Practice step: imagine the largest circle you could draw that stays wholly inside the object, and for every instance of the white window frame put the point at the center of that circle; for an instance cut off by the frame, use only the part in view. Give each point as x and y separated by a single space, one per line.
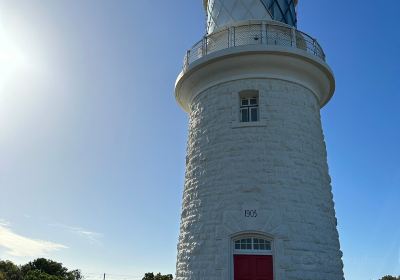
251 95
252 251
236 96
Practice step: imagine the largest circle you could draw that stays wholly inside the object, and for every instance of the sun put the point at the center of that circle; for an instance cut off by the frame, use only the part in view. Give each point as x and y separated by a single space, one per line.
12 58
20 68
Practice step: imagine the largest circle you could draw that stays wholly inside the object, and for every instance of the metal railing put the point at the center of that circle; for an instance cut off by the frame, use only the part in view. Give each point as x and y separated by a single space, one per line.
266 33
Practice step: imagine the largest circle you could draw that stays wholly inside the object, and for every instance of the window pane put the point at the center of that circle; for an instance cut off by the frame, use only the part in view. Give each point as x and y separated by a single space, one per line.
244 115
253 244
245 102
253 101
254 114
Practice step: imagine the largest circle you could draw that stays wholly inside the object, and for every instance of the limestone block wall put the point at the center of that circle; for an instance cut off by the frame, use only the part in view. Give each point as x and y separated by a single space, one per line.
277 166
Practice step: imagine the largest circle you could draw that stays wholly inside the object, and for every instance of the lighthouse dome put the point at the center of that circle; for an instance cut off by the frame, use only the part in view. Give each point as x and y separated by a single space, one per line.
223 13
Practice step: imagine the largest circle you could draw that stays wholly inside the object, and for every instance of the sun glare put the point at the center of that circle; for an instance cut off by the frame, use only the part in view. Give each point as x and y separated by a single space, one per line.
12 58
20 66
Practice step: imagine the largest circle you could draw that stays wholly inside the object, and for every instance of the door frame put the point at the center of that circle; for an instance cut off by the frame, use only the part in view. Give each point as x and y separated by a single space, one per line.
245 234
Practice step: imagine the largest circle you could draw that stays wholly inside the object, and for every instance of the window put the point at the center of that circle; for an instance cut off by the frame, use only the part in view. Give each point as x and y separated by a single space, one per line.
253 244
249 107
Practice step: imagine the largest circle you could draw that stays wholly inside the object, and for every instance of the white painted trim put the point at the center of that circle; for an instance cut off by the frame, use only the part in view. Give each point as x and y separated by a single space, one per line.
260 123
236 123
253 62
249 234
253 252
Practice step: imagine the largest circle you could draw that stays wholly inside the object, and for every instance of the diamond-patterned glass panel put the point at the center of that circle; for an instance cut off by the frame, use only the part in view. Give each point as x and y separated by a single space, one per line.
282 10
222 13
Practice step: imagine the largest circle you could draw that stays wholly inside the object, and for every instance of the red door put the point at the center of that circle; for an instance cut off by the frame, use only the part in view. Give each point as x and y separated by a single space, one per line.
250 267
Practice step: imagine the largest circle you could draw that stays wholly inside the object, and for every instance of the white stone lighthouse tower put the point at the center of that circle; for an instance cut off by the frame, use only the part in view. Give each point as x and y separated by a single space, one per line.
257 201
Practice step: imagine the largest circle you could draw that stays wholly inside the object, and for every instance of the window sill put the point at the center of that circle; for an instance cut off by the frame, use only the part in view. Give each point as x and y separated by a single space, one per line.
249 124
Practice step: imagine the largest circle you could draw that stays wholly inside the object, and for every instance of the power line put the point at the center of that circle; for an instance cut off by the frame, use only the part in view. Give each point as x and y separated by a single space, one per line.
107 276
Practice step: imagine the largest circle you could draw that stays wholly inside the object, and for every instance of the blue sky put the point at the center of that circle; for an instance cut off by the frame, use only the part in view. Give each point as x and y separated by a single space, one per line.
92 143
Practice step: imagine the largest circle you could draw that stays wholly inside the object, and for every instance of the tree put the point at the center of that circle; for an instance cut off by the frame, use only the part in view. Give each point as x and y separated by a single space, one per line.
148 276
39 269
9 271
389 277
44 269
163 277
46 266
75 275
159 276
36 274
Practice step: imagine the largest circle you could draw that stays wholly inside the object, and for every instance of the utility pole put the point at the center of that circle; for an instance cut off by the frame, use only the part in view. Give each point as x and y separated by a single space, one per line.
104 276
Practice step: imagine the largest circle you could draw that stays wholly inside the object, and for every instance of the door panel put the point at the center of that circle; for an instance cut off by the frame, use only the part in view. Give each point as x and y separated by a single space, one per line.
251 267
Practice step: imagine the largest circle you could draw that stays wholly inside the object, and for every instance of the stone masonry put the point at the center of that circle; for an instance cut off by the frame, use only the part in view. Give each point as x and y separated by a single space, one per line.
277 166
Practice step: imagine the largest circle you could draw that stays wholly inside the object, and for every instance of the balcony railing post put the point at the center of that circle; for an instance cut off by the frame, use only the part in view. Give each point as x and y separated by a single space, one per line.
234 35
229 37
204 46
294 39
187 60
264 32
314 43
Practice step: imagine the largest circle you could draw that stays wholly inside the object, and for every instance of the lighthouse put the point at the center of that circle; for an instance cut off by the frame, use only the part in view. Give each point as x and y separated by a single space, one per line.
257 201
